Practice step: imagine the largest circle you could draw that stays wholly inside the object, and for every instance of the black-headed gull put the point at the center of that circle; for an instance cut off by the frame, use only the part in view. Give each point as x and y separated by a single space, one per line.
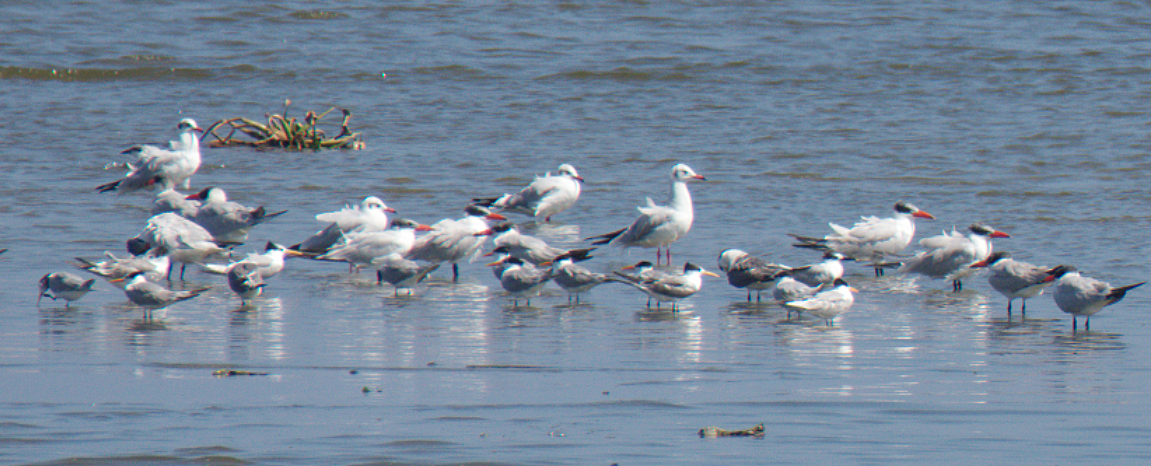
1084 296
659 226
168 166
871 238
546 196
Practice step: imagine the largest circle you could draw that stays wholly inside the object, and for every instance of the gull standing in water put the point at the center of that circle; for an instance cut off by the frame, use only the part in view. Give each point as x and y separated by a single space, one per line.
746 271
871 238
1018 279
184 240
244 279
951 255
829 303
1084 296
226 220
168 166
544 197
151 296
659 226
64 285
370 215
674 287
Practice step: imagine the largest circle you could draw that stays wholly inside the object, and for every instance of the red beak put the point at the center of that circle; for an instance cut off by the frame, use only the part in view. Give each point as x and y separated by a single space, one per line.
485 232
999 234
422 227
389 210
922 214
495 216
982 263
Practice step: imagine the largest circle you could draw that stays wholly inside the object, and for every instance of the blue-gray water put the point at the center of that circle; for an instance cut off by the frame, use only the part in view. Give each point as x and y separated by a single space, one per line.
1030 116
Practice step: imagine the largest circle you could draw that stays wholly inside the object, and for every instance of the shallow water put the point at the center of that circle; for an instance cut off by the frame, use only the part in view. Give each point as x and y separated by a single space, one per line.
1030 117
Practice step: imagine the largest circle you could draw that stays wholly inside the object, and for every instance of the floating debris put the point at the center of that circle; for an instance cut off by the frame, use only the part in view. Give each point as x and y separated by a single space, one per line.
233 373
715 432
283 132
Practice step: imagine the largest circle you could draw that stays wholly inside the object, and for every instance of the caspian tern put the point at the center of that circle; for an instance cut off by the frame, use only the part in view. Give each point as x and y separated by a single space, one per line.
544 197
522 279
168 166
170 200
151 296
371 248
370 215
64 285
527 247
244 279
950 255
871 238
1084 296
403 273
576 279
828 303
226 220
674 287
747 271
1017 279
184 240
455 240
659 226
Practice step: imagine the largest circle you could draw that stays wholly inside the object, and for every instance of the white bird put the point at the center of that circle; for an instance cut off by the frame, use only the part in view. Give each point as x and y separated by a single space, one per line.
576 279
244 279
113 267
871 238
659 226
226 220
268 264
170 200
544 197
184 240
64 285
370 215
825 272
529 248
950 255
828 303
1017 279
371 248
747 271
522 279
1084 296
151 296
403 273
455 240
168 166
674 287
788 289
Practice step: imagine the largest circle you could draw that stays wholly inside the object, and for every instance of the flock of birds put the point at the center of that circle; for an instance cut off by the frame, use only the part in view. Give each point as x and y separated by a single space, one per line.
201 229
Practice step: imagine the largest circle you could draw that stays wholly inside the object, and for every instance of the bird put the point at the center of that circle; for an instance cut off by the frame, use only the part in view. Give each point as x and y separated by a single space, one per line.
747 271
184 240
245 280
576 279
63 285
527 247
268 264
871 239
950 255
642 271
674 287
829 303
788 289
1017 279
403 273
151 296
522 279
659 226
171 200
370 248
544 197
455 240
370 215
824 272
113 267
168 166
1084 296
227 220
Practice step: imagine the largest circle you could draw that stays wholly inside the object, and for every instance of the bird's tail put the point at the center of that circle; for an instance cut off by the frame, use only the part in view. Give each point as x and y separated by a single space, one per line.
578 255
262 215
186 295
606 237
808 242
108 187
1116 294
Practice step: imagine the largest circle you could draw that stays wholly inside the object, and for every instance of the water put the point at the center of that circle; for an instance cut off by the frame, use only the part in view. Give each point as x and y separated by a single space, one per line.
1028 116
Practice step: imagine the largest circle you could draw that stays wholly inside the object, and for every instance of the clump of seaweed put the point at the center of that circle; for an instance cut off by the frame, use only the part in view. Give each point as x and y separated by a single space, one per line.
284 132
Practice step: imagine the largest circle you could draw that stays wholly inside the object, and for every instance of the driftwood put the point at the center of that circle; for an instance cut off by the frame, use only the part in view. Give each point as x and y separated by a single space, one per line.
283 132
714 432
